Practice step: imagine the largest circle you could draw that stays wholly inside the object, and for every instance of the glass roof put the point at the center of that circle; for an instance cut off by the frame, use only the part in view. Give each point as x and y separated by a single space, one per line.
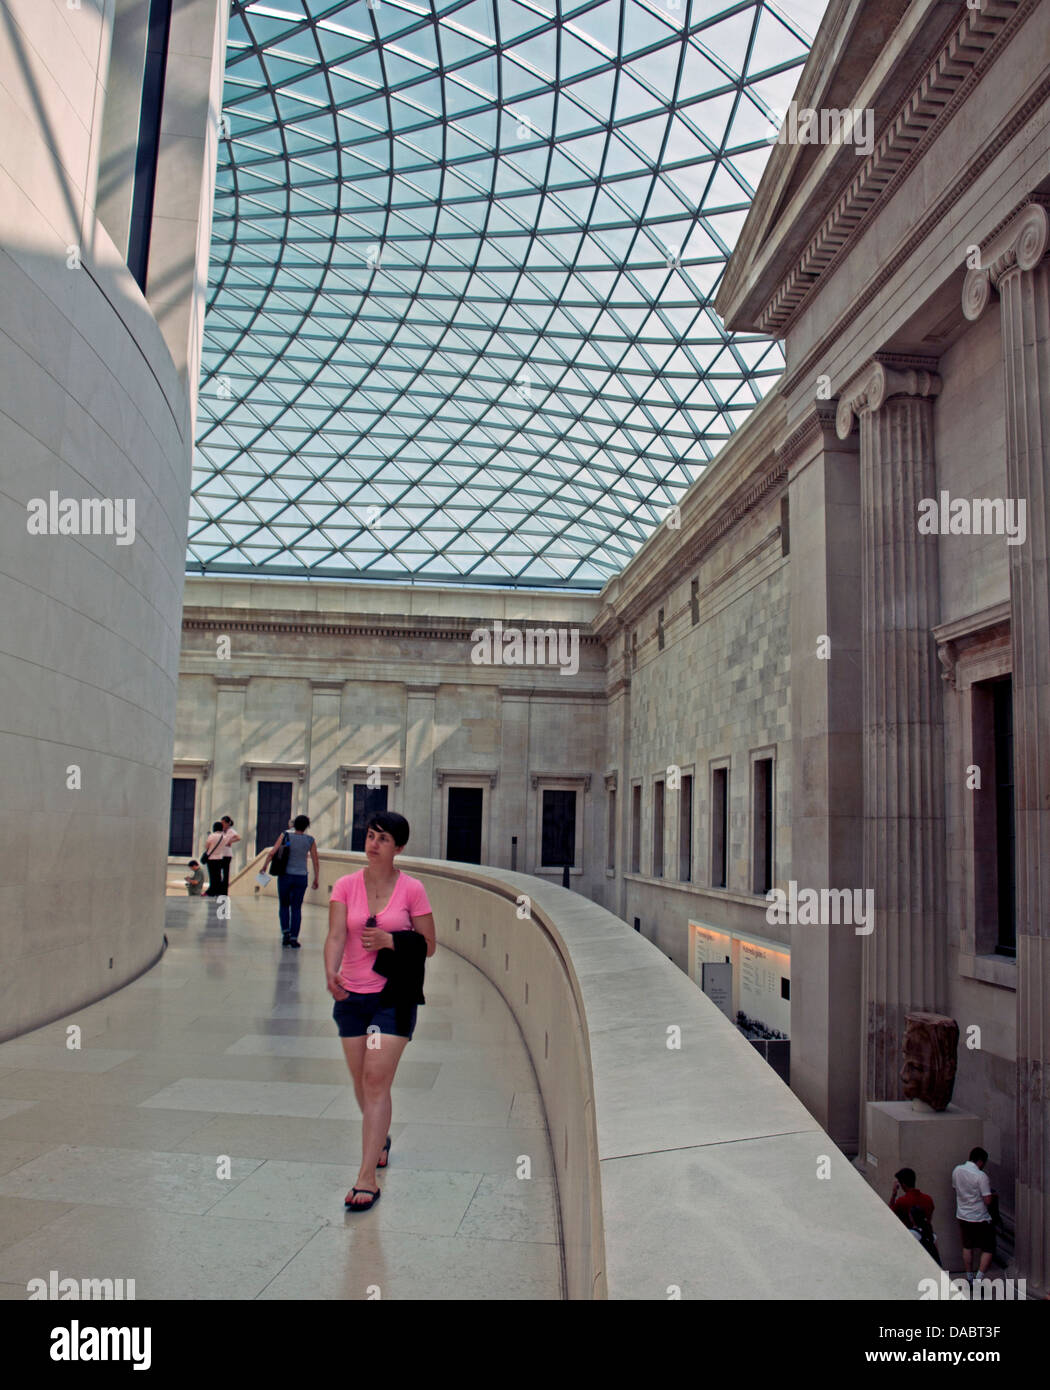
460 323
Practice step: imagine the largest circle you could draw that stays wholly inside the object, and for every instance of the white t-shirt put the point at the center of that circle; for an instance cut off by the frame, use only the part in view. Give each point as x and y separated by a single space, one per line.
971 1187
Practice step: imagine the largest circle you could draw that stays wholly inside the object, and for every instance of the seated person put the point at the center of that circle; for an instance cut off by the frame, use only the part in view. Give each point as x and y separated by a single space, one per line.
194 880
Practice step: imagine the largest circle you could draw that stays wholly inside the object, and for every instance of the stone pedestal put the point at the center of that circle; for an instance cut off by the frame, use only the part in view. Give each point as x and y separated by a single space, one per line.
933 1144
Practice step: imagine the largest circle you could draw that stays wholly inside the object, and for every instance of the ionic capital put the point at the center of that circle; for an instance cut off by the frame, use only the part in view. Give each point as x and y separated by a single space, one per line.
1019 243
870 390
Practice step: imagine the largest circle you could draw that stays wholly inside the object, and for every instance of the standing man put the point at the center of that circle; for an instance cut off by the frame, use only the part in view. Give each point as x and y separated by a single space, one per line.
973 1197
229 839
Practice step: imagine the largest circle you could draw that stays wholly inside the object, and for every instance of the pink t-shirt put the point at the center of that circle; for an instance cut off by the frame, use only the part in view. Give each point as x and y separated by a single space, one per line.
408 900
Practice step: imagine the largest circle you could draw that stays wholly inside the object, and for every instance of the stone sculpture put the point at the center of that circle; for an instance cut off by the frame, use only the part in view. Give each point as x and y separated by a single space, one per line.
931 1044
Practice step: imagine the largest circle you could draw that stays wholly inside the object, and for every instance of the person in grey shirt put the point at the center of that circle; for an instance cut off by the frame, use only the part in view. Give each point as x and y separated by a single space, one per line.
291 885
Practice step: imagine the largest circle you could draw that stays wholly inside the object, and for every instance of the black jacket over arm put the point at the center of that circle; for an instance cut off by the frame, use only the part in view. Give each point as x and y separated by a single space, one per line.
404 965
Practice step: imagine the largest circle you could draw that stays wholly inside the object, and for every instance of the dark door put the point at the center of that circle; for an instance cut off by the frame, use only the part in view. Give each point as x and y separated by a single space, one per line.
275 811
558 846
368 801
180 829
464 824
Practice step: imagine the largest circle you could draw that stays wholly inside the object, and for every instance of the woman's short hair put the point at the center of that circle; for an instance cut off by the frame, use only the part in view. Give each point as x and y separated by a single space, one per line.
218 826
300 823
395 826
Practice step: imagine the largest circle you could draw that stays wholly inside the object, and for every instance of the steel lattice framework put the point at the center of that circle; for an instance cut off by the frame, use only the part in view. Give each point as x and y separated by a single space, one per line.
464 252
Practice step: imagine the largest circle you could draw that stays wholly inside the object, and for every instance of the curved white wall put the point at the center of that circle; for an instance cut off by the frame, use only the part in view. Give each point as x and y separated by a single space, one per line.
94 403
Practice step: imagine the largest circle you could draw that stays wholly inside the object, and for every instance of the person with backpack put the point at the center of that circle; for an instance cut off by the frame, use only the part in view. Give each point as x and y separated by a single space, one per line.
210 856
915 1209
287 862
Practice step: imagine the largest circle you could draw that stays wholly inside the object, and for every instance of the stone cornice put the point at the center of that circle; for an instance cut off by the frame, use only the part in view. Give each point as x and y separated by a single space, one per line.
348 772
200 767
978 631
938 217
298 770
819 420
444 629
749 495
1018 243
972 46
474 774
535 778
871 388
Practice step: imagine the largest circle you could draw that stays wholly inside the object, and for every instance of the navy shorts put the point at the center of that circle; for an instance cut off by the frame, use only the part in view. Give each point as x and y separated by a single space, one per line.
355 1014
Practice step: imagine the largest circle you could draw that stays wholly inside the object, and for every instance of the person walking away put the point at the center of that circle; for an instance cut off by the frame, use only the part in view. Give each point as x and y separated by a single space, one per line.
973 1197
229 839
194 880
292 883
212 846
906 1195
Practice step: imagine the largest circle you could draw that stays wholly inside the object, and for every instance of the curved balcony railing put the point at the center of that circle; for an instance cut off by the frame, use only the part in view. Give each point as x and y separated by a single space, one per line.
685 1167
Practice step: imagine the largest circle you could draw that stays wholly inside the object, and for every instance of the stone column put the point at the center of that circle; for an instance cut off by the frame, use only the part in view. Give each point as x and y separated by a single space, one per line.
230 794
420 794
826 762
1015 264
513 779
322 756
905 956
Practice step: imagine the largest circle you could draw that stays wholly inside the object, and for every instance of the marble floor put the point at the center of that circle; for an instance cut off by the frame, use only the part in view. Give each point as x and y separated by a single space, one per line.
201 1139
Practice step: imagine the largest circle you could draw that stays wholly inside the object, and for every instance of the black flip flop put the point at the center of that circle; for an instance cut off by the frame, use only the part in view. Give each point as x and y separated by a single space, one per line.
360 1206
381 1161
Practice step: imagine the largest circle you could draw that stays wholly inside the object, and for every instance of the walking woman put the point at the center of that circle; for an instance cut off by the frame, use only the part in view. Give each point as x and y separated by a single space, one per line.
291 885
211 850
366 910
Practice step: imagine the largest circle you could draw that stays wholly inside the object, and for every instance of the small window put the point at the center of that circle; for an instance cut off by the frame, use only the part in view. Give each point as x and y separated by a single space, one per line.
694 601
611 854
660 631
636 829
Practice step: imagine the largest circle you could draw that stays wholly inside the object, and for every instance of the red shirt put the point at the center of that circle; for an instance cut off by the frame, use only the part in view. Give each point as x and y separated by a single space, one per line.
912 1198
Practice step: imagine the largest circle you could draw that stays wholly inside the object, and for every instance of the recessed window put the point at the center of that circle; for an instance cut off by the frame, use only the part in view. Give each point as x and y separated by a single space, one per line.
762 825
685 829
995 886
636 829
610 859
719 826
658 830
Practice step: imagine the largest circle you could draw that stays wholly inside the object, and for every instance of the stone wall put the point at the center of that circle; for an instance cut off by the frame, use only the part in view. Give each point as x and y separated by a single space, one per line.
96 401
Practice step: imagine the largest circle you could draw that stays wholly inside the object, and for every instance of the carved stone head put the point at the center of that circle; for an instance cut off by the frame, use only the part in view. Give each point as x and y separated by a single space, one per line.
931 1043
